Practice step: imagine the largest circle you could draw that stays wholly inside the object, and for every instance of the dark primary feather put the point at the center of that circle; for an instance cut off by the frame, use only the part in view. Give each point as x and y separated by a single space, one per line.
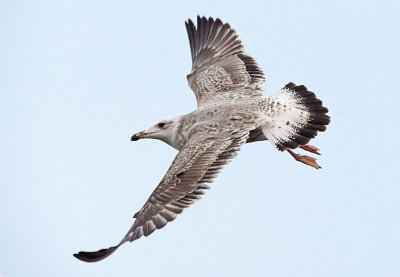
97 255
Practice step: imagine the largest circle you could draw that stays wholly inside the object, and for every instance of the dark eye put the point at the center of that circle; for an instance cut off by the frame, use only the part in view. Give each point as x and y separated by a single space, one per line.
161 124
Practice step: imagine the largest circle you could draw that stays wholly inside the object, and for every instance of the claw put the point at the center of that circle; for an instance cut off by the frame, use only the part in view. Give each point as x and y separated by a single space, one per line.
305 159
310 148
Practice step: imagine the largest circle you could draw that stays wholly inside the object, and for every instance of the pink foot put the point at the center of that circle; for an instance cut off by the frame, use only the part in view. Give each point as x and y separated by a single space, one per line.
310 148
305 159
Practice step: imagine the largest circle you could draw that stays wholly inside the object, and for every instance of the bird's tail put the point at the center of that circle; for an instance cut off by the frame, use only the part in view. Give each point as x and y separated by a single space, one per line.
295 117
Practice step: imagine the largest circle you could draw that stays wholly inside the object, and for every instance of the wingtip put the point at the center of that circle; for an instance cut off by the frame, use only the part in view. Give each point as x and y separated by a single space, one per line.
189 22
96 255
200 19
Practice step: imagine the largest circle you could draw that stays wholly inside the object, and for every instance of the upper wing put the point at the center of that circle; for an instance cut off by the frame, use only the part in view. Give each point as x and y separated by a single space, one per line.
197 163
219 62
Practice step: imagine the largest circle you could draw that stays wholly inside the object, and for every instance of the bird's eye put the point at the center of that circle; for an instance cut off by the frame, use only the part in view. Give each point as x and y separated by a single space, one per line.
161 124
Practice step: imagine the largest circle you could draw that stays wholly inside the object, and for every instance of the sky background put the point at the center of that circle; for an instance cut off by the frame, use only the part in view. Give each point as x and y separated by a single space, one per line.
78 78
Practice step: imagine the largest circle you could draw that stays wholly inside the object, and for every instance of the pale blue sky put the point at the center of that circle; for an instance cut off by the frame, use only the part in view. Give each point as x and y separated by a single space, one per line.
78 78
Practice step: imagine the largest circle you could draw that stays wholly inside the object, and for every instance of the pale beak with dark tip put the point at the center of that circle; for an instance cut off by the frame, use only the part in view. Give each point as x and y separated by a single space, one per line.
141 135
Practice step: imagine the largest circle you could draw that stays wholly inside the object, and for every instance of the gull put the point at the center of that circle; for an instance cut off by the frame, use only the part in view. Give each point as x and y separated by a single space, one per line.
232 109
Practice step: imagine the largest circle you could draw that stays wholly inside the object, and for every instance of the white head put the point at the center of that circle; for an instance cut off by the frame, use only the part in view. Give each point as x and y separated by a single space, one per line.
164 130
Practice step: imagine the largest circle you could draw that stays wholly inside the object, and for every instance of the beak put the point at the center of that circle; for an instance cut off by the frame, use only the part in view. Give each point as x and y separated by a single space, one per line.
141 135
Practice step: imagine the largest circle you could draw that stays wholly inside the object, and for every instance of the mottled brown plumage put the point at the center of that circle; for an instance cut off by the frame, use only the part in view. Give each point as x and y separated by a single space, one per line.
232 109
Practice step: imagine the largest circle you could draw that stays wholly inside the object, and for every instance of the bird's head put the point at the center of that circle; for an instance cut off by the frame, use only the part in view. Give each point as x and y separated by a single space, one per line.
164 130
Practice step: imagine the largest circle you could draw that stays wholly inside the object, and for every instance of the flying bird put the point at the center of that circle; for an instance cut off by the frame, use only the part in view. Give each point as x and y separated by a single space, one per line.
232 109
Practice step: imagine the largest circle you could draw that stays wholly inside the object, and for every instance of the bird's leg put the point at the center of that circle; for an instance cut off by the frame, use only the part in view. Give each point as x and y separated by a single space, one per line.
305 159
310 148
